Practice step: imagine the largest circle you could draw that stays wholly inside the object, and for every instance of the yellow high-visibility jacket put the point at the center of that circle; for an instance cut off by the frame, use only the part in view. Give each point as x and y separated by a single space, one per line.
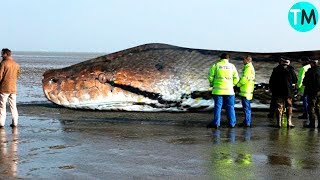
222 77
301 75
246 82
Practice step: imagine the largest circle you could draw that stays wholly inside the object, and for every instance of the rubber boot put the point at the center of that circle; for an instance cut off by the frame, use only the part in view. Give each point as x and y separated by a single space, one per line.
289 122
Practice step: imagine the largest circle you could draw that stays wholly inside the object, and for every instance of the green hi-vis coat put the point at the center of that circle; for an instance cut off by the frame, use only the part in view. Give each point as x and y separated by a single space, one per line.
222 77
301 75
246 82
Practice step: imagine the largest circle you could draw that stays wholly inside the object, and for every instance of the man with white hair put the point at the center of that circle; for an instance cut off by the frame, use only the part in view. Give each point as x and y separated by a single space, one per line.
282 83
246 85
311 82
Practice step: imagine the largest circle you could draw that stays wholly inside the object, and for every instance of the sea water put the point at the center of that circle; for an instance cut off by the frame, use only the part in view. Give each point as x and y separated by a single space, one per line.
34 64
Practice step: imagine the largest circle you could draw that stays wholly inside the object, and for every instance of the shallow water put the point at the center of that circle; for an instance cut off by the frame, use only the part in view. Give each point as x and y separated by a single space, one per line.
54 142
34 64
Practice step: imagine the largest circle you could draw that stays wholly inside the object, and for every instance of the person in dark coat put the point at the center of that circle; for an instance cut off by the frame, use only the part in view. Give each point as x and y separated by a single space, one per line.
311 82
273 104
282 85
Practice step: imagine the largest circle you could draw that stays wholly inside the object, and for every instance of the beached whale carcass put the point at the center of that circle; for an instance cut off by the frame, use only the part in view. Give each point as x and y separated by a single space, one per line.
151 77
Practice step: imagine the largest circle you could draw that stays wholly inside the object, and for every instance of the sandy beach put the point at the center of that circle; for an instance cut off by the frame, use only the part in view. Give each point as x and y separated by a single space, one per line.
55 142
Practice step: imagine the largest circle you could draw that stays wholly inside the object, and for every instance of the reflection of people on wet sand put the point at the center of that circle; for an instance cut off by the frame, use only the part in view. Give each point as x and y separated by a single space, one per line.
9 72
282 138
230 135
230 159
247 134
8 157
310 160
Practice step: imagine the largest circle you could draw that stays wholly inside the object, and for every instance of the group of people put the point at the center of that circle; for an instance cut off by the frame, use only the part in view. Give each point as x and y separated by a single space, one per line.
283 83
9 73
223 77
311 91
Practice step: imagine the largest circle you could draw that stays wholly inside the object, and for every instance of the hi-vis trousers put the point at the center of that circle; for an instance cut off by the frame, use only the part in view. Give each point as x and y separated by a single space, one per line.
4 97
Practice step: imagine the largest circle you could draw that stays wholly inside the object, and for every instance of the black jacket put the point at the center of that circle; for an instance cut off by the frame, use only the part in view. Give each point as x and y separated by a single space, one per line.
282 81
311 81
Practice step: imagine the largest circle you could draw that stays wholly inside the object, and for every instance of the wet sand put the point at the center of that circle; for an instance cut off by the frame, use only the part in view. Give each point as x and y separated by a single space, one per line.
54 142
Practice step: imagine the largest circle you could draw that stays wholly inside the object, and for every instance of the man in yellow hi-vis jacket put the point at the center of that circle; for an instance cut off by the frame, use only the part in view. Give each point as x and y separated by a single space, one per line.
246 85
222 77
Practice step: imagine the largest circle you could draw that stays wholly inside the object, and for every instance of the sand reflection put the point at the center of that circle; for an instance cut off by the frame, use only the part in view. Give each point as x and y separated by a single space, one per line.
8 152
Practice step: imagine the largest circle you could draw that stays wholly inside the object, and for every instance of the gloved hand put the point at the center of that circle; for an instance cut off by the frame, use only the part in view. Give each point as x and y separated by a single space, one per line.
236 89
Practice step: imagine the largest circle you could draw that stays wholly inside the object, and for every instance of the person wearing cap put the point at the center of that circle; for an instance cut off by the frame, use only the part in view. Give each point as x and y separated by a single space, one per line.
282 82
246 85
311 82
305 66
223 76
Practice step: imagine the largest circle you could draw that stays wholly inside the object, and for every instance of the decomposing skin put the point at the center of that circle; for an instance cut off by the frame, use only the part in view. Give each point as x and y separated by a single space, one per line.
151 77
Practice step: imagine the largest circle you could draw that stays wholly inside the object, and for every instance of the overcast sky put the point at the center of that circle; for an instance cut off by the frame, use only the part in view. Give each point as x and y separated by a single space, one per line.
113 25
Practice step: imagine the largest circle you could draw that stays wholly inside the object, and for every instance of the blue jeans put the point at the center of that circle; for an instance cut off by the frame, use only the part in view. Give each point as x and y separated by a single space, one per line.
305 106
228 102
246 106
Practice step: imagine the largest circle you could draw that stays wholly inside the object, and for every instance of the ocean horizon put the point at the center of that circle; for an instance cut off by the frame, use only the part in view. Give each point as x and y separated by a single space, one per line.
34 64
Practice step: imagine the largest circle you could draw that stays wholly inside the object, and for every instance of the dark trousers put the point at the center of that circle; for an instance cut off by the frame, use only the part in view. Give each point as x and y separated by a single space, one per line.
313 109
305 106
273 106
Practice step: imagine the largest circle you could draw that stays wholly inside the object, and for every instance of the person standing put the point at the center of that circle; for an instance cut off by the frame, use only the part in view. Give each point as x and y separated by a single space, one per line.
305 66
282 83
223 76
246 85
273 104
311 82
9 73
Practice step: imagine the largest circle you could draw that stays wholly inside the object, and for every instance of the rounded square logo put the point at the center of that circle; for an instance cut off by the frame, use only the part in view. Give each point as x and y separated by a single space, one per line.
303 16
